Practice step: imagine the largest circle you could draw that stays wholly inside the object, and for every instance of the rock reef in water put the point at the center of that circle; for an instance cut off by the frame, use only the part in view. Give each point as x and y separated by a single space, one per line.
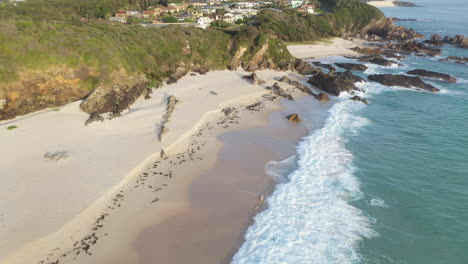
403 81
432 74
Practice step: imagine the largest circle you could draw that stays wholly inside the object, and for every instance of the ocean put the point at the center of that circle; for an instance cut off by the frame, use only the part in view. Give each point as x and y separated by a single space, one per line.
380 183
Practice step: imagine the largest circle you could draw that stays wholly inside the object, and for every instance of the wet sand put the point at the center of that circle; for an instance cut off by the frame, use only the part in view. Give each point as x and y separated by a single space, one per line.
224 199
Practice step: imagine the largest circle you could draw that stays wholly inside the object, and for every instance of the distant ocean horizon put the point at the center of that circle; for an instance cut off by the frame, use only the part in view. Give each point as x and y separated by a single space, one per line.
383 183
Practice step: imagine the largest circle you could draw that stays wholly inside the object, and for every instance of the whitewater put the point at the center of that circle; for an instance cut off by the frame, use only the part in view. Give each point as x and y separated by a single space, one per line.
309 218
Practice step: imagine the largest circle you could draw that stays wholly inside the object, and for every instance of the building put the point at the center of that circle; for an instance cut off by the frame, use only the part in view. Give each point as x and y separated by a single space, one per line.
118 19
150 14
196 13
121 14
196 3
183 17
204 22
296 3
307 9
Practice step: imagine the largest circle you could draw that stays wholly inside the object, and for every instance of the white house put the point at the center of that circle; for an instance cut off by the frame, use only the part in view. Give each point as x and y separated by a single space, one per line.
296 3
204 22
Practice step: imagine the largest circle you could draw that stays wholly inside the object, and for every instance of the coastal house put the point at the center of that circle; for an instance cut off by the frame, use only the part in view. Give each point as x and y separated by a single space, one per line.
132 13
150 14
296 3
196 13
307 9
196 3
246 5
121 14
235 16
204 22
228 19
183 17
118 19
170 9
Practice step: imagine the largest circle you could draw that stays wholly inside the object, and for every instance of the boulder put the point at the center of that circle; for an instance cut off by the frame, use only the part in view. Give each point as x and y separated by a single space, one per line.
377 60
294 118
305 68
325 66
413 46
352 66
368 51
435 39
279 91
458 40
322 97
460 60
403 81
179 73
431 74
93 118
115 98
357 98
335 83
253 78
297 84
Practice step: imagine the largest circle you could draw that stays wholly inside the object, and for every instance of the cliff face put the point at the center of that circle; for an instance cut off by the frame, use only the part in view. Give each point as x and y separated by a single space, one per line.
48 65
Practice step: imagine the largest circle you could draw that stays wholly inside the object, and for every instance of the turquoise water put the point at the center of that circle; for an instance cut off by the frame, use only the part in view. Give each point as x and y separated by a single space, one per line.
383 183
414 156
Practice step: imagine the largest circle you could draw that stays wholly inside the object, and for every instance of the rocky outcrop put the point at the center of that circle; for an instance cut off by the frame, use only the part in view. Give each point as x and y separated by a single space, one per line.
294 118
435 39
359 99
322 97
116 97
297 84
403 81
325 66
276 89
386 30
171 104
432 74
335 83
413 46
456 59
368 51
253 79
305 68
37 90
352 66
377 60
404 4
180 72
458 41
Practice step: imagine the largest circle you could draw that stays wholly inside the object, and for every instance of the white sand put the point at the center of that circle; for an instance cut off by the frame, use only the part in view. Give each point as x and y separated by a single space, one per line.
40 199
384 3
333 47
44 203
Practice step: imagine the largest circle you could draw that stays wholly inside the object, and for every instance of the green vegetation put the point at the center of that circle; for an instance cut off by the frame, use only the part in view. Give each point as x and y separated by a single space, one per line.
170 19
12 127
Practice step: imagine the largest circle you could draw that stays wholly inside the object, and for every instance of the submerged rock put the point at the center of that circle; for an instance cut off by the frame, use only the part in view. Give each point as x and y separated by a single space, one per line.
358 98
456 59
325 66
352 66
431 74
294 118
403 81
413 46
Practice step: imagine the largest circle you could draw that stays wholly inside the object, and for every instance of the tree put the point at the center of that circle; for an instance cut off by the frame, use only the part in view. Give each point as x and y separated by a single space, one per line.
170 19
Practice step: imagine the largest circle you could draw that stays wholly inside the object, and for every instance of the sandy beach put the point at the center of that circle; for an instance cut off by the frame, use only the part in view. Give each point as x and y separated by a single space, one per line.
383 3
112 197
332 47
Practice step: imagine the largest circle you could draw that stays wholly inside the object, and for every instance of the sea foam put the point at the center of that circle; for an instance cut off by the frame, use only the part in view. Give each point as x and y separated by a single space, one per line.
309 218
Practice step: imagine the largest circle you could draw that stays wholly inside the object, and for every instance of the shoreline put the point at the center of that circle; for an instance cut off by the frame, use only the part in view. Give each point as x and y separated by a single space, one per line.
83 235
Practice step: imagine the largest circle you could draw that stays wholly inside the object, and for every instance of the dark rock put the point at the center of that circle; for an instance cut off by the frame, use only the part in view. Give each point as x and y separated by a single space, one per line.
435 39
228 111
458 41
297 84
460 60
94 117
325 66
253 78
404 4
171 104
114 99
179 73
335 83
413 46
368 51
357 98
352 66
402 19
279 91
294 118
322 97
403 81
431 74
305 68
377 60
